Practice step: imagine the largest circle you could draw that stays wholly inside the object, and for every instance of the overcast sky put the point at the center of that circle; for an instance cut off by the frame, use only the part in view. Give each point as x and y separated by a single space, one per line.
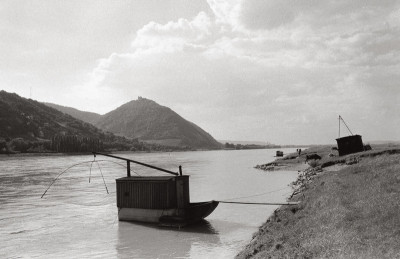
268 70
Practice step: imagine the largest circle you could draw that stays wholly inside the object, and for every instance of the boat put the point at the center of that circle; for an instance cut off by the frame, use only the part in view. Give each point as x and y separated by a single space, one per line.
349 144
279 153
163 200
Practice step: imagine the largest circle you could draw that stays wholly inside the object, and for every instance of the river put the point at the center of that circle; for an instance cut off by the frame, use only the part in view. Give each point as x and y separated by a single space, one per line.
78 219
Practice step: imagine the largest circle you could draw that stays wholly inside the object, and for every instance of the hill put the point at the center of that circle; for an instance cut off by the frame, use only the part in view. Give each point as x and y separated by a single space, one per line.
32 120
30 126
89 117
148 121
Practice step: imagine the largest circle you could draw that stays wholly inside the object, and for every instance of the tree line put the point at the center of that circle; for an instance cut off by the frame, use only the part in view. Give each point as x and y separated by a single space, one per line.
248 146
74 143
69 143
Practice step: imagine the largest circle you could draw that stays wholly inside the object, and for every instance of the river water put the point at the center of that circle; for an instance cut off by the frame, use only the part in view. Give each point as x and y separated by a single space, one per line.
78 219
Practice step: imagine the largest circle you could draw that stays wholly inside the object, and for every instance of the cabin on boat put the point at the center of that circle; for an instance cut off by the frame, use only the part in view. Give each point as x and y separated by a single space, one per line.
158 199
152 196
350 144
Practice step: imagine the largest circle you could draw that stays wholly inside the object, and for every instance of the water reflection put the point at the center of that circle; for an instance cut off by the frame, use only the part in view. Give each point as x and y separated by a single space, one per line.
138 240
201 227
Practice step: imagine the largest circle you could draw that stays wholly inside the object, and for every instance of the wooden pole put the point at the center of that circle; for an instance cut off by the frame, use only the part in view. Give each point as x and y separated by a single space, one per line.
128 168
136 162
262 203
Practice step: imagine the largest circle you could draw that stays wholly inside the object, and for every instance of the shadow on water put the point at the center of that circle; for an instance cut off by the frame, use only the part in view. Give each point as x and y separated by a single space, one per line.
141 240
201 227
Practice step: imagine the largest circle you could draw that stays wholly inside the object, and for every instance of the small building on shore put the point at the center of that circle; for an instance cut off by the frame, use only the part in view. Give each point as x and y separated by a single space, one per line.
350 144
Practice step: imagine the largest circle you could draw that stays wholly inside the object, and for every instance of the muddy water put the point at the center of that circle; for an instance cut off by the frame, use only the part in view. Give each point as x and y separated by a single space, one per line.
78 219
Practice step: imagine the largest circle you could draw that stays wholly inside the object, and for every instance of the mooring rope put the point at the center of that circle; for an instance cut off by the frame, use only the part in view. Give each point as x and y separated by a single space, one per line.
261 203
255 195
258 203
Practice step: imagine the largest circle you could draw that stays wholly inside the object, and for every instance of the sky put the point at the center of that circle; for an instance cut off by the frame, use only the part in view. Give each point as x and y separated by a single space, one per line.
256 70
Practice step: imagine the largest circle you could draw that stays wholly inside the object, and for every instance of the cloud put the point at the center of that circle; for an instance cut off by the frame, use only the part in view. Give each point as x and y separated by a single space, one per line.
267 15
268 69
173 35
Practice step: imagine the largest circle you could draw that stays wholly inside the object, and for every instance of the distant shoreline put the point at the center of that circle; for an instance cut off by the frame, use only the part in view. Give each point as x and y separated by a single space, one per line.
77 154
113 152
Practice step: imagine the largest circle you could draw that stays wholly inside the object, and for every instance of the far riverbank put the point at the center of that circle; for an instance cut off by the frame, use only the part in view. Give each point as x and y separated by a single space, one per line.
349 208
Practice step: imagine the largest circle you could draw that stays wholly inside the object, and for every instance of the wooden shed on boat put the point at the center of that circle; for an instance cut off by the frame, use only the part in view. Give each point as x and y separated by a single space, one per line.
156 192
158 199
350 144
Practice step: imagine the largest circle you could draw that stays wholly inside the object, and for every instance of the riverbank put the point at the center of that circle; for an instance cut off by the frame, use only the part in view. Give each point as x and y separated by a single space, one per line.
44 154
349 208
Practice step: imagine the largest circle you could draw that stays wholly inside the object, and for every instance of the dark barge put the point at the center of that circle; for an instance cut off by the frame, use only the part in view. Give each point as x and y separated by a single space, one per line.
164 200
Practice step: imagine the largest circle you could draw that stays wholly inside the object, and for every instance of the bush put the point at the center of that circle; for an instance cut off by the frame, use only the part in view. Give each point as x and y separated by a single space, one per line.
20 145
3 146
313 163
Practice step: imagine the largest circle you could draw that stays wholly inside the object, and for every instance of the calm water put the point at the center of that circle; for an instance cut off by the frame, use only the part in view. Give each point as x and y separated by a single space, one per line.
78 219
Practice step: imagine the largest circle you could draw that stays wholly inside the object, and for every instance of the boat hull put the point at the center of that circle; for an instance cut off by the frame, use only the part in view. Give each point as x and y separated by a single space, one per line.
169 217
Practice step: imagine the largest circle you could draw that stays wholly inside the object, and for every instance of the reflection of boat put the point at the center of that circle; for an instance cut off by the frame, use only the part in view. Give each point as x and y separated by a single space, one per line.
158 199
141 240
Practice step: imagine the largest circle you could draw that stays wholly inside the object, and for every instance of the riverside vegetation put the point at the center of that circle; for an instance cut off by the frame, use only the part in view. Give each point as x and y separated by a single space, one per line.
349 208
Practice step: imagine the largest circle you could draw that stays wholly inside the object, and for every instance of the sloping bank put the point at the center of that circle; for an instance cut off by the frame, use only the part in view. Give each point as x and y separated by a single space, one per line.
349 208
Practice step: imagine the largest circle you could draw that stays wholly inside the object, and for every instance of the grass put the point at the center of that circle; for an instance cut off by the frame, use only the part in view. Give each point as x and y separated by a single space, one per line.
351 213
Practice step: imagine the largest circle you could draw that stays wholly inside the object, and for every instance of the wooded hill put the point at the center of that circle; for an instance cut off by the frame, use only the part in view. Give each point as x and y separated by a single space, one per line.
30 126
89 117
149 122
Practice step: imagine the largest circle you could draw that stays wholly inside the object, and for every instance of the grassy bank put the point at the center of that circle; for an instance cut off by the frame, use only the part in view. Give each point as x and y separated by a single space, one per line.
349 213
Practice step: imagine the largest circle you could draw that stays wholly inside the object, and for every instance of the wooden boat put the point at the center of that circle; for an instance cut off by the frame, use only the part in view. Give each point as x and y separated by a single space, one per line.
350 144
163 200
279 153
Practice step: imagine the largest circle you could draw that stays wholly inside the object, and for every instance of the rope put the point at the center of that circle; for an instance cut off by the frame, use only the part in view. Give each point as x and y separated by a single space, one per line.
102 176
123 165
61 174
255 195
90 172
340 118
260 203
115 220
